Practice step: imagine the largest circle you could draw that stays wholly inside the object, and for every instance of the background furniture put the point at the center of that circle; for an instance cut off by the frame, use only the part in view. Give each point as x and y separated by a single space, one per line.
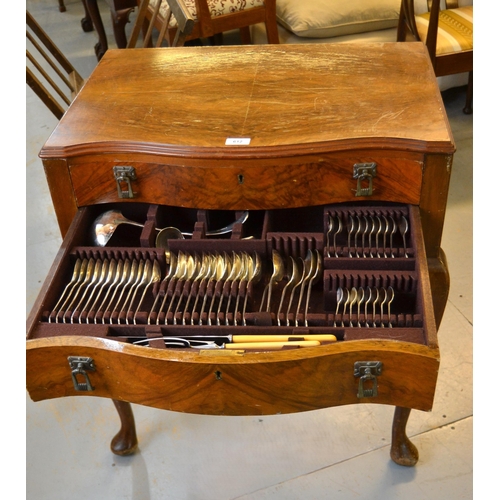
174 12
449 54
212 19
355 21
48 72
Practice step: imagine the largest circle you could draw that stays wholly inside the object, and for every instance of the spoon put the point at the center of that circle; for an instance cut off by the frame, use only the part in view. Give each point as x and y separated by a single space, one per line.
192 269
309 270
236 272
353 299
69 287
171 271
111 276
209 260
155 277
105 225
403 227
111 290
314 279
168 233
277 275
391 298
143 278
97 286
254 278
301 273
129 285
203 272
293 273
242 274
340 301
183 267
329 232
246 271
222 270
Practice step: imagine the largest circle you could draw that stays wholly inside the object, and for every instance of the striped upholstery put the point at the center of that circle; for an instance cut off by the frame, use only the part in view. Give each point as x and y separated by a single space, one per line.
454 32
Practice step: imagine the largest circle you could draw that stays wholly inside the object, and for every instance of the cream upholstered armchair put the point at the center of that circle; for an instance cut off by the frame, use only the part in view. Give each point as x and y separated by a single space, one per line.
448 35
214 17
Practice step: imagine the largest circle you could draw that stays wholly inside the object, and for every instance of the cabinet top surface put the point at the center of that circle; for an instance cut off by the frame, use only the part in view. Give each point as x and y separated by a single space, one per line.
281 99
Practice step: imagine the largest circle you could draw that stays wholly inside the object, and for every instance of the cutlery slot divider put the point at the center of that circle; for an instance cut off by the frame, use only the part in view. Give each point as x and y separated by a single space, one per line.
363 309
364 232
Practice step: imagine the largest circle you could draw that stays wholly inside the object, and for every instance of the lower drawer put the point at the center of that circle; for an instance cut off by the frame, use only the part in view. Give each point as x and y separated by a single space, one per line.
345 287
237 383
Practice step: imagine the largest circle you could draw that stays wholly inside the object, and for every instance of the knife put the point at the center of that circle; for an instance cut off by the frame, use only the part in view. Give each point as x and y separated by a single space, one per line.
205 343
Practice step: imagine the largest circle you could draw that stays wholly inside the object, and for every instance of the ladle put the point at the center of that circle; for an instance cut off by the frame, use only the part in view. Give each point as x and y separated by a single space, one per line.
105 225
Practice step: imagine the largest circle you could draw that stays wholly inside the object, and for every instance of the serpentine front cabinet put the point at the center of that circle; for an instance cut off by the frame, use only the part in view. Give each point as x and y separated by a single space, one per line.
308 186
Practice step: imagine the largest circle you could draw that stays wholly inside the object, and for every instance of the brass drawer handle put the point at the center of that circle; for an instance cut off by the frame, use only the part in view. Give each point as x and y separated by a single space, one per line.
367 371
124 175
79 367
364 172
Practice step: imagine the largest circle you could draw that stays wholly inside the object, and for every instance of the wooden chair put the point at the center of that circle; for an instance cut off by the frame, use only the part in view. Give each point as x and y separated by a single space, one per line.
48 72
174 14
451 48
214 17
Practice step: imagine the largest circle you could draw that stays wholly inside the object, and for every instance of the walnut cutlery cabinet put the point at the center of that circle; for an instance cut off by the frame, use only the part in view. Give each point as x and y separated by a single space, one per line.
329 168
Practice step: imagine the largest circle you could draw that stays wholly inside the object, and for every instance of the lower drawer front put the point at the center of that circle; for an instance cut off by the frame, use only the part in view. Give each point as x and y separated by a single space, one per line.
384 372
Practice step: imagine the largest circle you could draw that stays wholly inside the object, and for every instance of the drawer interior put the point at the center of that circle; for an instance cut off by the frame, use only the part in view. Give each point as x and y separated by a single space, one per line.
353 271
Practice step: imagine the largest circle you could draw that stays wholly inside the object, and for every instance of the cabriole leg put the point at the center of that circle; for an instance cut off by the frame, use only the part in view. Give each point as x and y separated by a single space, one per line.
125 442
403 451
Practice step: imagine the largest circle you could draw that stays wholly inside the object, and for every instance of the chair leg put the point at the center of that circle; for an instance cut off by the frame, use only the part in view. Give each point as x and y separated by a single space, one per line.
403 451
246 39
468 100
125 441
62 7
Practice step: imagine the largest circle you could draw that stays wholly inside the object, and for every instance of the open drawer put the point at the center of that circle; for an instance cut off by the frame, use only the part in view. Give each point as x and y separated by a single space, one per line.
259 312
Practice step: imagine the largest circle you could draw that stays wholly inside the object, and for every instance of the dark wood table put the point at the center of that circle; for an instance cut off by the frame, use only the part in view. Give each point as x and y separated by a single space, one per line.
120 12
278 130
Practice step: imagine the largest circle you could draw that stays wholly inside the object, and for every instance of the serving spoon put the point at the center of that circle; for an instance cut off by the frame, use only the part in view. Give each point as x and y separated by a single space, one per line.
105 225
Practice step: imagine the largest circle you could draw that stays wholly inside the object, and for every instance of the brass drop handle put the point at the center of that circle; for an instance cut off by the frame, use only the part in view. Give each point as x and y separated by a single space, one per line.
124 176
364 172
79 367
367 371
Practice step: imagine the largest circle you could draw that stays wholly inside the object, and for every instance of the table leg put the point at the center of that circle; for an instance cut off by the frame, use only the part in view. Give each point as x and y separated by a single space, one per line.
86 22
125 441
120 18
403 451
102 45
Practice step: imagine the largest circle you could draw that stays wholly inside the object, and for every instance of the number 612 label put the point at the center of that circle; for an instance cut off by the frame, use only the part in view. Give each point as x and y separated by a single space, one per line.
238 141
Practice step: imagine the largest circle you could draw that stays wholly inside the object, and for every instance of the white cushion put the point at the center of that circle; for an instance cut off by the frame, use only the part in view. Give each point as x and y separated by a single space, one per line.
330 18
